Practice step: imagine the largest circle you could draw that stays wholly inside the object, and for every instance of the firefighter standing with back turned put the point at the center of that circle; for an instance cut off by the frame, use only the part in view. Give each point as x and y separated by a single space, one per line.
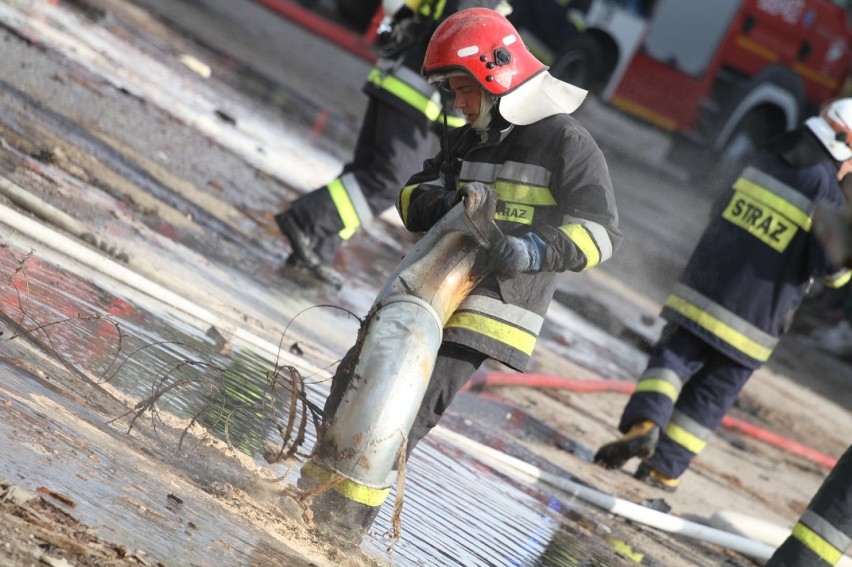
556 206
398 132
739 292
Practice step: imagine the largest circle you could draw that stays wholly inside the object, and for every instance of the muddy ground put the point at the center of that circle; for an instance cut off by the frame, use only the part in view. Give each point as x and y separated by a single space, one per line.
137 198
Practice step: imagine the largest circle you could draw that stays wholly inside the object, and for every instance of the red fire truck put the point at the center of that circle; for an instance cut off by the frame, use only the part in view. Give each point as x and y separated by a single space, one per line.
723 75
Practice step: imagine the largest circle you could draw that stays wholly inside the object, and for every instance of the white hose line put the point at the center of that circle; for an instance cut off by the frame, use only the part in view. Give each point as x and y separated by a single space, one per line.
105 265
759 529
626 509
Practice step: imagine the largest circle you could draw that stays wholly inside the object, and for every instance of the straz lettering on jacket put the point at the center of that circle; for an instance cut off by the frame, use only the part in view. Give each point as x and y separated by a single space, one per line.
520 187
767 209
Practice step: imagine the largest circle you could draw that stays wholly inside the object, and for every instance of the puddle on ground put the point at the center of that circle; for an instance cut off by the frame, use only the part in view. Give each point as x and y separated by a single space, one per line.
457 510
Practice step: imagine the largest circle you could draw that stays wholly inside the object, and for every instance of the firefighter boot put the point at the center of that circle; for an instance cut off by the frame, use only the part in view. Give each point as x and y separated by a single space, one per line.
335 516
639 441
304 253
341 519
648 475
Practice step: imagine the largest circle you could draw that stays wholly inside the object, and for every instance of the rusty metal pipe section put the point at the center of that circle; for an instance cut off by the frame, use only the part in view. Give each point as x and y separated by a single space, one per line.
403 333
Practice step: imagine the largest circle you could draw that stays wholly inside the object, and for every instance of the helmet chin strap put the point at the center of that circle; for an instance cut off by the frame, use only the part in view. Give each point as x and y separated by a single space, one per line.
484 119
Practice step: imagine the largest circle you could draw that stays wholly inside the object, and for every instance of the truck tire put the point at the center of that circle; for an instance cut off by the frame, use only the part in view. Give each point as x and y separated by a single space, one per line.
358 12
582 63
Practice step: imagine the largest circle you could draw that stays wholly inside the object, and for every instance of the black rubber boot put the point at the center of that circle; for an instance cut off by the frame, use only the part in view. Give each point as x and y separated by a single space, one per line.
304 254
639 441
342 519
648 475
335 516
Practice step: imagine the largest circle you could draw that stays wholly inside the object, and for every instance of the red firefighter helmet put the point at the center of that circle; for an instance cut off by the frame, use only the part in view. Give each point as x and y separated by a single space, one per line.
833 127
484 44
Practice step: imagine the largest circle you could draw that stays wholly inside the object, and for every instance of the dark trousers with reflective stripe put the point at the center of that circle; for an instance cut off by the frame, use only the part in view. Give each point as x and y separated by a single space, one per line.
454 366
828 517
391 146
711 382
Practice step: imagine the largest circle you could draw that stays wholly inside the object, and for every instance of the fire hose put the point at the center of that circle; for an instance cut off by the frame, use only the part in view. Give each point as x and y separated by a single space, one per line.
487 379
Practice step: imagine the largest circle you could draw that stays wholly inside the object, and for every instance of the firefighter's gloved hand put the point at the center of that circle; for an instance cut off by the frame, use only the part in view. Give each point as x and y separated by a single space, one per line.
473 194
513 255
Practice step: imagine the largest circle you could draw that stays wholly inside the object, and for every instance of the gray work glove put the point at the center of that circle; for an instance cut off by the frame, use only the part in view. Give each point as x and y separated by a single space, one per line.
512 255
473 194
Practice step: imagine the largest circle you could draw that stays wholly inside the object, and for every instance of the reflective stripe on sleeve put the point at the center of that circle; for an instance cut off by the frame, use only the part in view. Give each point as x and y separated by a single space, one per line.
523 174
411 88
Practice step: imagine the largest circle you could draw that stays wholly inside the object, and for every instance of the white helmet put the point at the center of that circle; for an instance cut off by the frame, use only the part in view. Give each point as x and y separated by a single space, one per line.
833 127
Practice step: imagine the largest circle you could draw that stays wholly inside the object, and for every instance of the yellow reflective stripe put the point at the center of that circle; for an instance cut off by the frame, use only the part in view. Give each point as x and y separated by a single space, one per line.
659 386
718 328
522 193
761 221
771 199
512 212
583 240
454 121
817 544
347 488
407 93
432 8
684 438
497 330
405 201
838 280
345 208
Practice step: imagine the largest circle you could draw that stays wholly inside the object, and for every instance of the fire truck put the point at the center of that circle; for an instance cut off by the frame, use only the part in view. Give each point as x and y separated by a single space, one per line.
722 75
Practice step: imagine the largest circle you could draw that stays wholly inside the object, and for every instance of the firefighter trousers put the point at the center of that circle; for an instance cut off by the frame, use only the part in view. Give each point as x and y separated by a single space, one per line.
392 145
686 389
454 366
824 530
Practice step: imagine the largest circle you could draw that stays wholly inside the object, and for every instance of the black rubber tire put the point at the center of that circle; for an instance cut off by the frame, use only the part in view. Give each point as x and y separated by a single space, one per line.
581 63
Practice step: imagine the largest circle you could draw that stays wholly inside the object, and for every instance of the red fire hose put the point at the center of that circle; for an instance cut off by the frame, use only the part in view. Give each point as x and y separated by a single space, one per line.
486 379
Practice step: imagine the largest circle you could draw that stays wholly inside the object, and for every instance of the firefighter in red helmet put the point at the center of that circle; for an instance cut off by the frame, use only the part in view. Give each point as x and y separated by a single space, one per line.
399 130
555 202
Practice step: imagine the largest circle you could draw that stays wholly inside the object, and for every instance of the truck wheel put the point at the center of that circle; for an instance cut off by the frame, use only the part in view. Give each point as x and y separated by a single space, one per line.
581 64
358 12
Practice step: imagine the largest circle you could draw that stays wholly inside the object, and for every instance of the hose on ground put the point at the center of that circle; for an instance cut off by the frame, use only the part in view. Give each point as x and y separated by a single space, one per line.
546 381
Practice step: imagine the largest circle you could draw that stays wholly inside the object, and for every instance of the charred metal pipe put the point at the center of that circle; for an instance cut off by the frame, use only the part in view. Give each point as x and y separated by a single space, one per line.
402 335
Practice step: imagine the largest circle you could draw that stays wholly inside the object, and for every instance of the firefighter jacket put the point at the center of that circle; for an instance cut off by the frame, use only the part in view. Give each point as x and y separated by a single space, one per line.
551 179
396 80
758 255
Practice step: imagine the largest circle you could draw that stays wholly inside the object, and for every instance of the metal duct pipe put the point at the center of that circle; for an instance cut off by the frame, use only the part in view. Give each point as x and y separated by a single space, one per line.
402 335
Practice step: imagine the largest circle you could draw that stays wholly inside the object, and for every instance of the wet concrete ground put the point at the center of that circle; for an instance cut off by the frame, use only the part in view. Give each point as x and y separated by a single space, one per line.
116 141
